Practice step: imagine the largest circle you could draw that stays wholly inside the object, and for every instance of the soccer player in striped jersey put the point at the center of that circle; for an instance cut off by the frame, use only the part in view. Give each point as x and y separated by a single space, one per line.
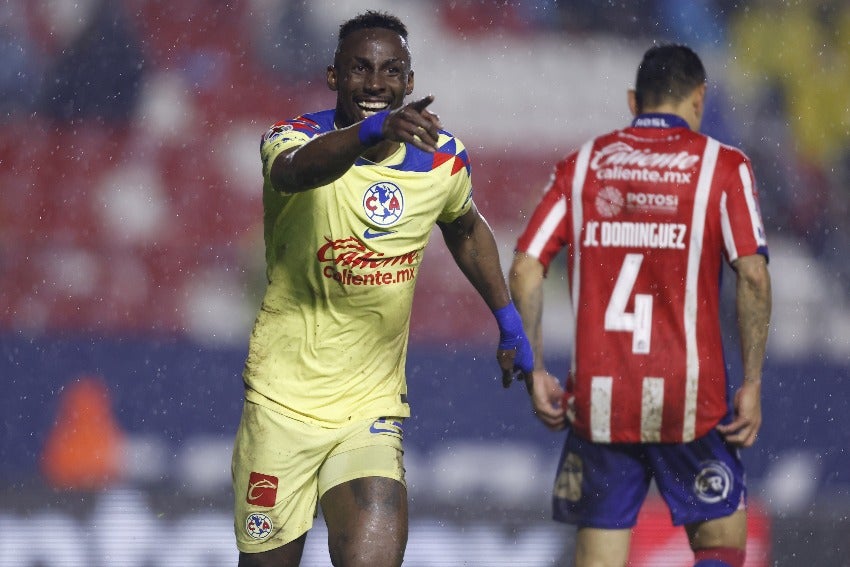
350 198
648 214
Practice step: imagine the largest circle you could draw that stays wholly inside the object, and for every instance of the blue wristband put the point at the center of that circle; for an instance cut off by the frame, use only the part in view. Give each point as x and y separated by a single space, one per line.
512 337
371 129
508 317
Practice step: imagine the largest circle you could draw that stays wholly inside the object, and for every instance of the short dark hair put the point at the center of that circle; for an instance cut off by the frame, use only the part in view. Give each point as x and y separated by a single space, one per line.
667 73
369 20
372 19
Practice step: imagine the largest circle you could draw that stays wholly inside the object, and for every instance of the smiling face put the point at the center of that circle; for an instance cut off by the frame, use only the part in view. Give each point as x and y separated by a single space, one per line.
371 73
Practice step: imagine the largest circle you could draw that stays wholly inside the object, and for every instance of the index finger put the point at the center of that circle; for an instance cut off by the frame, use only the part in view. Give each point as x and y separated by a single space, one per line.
506 363
422 103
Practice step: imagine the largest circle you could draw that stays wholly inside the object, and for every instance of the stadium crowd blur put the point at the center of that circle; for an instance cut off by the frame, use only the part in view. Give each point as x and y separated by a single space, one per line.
130 171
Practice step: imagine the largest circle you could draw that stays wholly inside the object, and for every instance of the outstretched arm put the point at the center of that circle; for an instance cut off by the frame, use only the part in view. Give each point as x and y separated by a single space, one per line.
473 246
325 158
753 300
526 286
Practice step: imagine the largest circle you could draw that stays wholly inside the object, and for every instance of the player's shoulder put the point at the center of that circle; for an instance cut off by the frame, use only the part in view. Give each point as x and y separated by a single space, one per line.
448 143
450 156
304 125
730 152
729 157
446 135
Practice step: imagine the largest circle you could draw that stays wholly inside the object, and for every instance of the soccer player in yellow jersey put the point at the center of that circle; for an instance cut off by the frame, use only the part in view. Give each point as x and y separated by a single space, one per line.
350 197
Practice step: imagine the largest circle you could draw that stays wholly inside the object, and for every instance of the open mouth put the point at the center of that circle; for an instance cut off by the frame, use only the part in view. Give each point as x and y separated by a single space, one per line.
368 108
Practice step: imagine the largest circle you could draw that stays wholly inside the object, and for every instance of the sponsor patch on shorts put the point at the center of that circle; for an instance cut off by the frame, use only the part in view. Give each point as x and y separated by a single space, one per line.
262 490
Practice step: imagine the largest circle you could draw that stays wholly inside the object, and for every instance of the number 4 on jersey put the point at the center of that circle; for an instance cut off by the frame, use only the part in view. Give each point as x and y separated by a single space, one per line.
638 323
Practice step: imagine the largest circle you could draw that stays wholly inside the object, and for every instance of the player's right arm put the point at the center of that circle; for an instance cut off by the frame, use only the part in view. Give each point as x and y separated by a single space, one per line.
327 157
526 286
753 302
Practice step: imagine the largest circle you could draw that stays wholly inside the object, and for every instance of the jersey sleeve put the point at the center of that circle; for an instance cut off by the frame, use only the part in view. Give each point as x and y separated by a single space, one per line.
547 230
453 159
282 136
741 220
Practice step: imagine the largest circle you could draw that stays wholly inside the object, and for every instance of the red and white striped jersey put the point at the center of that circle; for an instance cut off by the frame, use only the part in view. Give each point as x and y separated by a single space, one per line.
647 213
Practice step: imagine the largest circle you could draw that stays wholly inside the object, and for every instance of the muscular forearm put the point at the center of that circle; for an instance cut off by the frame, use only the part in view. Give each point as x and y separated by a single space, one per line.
526 287
327 157
754 306
473 246
318 162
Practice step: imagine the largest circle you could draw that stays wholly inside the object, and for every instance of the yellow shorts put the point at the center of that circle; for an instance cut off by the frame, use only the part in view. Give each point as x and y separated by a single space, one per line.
281 468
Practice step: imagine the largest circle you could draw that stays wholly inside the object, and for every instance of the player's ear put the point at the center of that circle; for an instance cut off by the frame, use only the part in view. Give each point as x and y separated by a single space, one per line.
699 100
409 89
331 77
632 99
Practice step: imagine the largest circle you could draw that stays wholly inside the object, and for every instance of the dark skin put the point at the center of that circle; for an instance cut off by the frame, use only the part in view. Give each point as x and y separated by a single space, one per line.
372 66
367 526
367 517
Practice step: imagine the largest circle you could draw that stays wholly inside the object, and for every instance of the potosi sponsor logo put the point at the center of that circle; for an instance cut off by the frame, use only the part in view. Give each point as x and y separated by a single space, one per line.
262 490
258 526
383 203
657 202
610 202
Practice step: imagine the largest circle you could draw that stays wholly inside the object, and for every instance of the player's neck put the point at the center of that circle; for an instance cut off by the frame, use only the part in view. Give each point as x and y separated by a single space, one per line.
382 151
682 110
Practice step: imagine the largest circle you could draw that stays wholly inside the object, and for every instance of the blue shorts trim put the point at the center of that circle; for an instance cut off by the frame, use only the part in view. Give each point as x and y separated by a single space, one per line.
604 485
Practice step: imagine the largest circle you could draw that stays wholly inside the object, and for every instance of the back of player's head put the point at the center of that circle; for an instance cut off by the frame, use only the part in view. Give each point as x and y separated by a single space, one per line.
667 73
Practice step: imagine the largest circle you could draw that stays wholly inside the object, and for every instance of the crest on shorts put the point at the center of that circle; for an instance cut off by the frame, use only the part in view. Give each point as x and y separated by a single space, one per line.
258 526
568 483
713 482
262 490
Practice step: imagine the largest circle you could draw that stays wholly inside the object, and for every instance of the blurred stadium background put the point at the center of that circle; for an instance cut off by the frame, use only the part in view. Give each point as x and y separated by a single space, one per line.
131 261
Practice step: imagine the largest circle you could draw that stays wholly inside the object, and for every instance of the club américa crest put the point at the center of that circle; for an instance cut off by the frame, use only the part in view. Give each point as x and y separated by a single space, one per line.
258 526
383 203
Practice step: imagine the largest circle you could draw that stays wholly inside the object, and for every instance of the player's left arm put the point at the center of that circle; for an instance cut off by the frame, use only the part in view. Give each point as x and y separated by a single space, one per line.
471 241
753 302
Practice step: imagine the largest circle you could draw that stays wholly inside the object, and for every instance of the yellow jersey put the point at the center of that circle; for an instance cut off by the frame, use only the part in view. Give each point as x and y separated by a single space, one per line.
330 341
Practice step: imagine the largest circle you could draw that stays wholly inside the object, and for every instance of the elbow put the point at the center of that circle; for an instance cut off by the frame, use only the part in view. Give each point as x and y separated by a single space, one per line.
278 174
284 178
525 275
753 273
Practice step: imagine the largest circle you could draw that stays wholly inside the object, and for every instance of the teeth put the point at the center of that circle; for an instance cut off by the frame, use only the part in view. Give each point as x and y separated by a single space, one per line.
372 106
